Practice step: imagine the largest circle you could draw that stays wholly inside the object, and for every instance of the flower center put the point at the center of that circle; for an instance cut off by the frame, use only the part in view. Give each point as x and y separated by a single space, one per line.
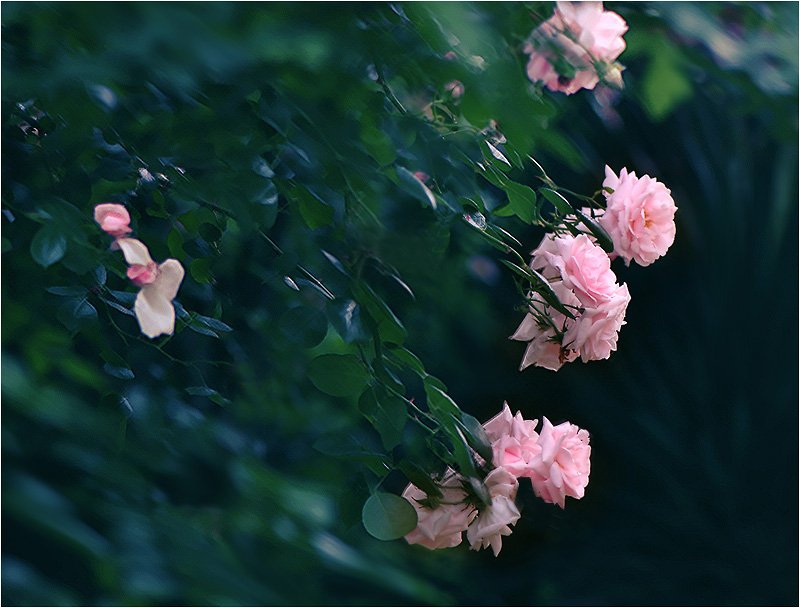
143 274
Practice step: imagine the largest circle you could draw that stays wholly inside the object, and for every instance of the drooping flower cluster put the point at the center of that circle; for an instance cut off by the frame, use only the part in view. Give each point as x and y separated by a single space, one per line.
556 460
639 218
575 47
159 282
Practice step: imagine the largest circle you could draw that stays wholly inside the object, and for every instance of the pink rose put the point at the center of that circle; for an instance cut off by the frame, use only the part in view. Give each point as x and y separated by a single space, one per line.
514 441
159 286
639 216
562 468
113 219
585 268
594 334
495 520
581 34
443 526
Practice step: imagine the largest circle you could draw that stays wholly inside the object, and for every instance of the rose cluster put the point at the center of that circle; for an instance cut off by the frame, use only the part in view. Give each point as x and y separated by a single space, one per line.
639 218
556 460
159 282
575 47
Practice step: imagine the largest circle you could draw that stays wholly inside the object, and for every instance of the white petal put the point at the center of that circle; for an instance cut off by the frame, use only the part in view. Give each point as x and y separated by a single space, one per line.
153 307
134 251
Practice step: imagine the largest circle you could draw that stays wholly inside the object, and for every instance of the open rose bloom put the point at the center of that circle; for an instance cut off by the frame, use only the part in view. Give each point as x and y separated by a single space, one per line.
639 216
580 275
159 285
113 219
556 460
575 47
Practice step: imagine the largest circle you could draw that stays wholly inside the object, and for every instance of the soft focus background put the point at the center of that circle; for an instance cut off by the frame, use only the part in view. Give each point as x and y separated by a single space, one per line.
246 139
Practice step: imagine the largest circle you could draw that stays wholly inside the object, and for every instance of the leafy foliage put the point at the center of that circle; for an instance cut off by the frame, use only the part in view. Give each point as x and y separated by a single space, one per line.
346 222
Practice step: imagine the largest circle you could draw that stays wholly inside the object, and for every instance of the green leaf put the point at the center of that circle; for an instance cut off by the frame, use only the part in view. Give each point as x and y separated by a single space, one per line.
388 517
304 325
315 212
476 436
48 246
175 243
214 323
345 316
389 326
77 314
339 375
388 414
558 201
378 144
415 187
201 271
522 201
440 402
598 232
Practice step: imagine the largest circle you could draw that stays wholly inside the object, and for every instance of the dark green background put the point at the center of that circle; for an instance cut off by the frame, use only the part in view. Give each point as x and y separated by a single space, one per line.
122 487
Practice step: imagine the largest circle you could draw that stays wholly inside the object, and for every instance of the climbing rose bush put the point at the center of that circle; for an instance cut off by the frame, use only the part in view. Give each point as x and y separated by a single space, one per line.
575 47
639 216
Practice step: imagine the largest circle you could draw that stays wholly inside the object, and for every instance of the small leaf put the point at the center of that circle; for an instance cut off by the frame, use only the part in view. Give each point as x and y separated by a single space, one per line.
315 212
213 323
414 186
119 372
66 291
339 375
175 243
202 391
558 200
476 436
388 516
497 154
336 263
345 316
201 271
304 325
76 314
522 200
48 246
440 402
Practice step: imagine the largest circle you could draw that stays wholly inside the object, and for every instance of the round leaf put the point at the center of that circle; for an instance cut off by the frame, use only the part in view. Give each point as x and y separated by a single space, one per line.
304 325
48 246
388 517
339 375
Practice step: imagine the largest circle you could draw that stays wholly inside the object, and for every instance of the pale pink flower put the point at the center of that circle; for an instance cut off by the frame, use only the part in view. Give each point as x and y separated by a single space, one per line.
581 34
159 285
495 520
442 526
562 468
585 268
113 219
639 216
594 334
514 441
538 328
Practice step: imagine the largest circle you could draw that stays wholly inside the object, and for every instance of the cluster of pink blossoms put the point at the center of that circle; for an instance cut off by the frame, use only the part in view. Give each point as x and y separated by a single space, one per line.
159 282
575 47
639 218
556 460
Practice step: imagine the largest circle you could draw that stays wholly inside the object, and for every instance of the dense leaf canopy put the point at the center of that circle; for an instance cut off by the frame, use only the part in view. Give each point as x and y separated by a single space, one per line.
344 185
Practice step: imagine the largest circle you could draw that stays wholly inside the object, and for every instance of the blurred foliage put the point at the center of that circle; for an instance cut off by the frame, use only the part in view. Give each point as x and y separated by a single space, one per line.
333 297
